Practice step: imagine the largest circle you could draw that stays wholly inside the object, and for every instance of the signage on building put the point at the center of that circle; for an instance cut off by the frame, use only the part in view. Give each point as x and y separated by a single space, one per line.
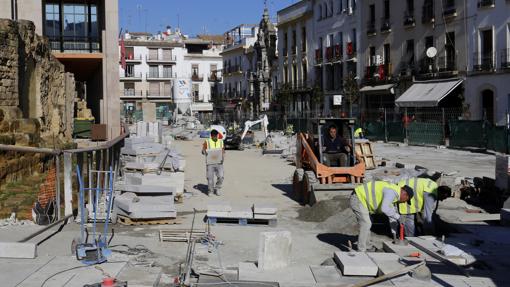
337 100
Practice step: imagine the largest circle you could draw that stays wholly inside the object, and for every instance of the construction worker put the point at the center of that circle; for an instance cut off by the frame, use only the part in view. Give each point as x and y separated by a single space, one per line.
335 148
377 197
424 202
216 168
358 133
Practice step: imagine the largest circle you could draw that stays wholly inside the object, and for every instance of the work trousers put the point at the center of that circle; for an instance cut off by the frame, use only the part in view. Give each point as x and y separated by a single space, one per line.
425 216
212 171
336 159
364 222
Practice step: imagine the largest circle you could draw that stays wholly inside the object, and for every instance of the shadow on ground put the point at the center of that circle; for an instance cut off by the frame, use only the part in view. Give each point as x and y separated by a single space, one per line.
201 187
287 190
337 240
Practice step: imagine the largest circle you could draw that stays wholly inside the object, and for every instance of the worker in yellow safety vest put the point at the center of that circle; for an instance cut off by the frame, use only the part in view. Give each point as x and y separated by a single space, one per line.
358 133
425 200
216 167
377 197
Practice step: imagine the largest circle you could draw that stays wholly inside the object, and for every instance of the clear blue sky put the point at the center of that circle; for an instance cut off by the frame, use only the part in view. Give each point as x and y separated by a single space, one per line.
215 16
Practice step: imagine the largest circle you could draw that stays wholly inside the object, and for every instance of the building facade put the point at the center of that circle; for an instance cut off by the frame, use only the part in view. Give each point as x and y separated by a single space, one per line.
153 64
487 92
83 36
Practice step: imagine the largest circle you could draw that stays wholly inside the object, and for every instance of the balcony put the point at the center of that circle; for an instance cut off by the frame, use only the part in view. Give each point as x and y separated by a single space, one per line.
158 77
160 59
351 49
130 76
371 30
450 11
214 77
505 59
377 73
132 59
385 25
75 44
407 69
130 93
486 3
294 50
318 56
409 20
197 78
446 64
428 15
483 62
427 66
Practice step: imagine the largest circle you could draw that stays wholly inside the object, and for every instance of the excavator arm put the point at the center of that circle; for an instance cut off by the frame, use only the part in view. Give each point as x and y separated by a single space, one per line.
249 124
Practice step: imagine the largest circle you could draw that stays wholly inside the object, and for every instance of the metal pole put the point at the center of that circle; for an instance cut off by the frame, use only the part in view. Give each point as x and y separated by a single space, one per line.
45 228
57 171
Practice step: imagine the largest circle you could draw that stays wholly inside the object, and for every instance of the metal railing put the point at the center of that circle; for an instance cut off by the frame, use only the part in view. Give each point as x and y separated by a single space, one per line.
505 58
157 58
75 43
132 75
164 75
483 61
409 19
428 15
133 58
132 93
371 29
385 25
449 11
446 64
486 3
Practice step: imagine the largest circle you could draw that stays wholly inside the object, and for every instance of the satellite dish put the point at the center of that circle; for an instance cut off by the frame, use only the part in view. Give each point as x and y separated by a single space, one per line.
431 52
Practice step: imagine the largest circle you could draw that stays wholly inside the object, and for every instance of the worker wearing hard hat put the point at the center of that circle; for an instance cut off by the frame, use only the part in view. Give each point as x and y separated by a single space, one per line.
377 197
424 203
214 150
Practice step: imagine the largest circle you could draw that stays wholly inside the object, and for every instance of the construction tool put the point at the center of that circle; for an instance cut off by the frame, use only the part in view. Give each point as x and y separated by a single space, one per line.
95 250
390 275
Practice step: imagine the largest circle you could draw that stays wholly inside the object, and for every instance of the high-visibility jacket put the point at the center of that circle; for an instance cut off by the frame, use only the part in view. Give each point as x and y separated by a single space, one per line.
370 194
358 132
218 144
420 186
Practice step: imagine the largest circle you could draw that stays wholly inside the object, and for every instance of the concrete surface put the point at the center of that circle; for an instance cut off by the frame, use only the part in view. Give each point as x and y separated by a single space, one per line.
355 263
18 250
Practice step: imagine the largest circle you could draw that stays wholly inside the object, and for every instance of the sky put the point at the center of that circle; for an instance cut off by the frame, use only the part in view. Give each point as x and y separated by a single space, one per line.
193 16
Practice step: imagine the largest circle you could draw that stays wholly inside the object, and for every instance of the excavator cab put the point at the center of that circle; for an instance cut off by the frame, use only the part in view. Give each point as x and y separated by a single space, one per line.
311 173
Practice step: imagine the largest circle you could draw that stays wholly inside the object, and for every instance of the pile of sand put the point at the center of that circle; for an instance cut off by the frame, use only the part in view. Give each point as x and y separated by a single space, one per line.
323 210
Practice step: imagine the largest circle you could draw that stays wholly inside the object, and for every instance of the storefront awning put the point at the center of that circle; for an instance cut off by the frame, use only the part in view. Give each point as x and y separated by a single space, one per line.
427 94
378 88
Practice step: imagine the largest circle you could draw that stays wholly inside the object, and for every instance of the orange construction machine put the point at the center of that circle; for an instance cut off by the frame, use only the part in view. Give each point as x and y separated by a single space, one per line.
312 175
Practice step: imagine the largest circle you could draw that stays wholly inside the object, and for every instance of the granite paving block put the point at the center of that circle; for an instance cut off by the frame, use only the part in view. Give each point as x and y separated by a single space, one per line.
274 250
355 263
223 206
386 262
18 250
131 203
264 208
241 212
144 189
219 214
325 274
265 216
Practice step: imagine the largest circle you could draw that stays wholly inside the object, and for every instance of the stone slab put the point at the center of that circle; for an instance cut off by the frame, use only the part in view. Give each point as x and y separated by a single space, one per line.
264 208
404 251
274 250
142 166
241 212
18 250
386 262
325 274
294 275
147 214
135 203
265 216
144 189
219 214
132 179
174 179
355 263
223 206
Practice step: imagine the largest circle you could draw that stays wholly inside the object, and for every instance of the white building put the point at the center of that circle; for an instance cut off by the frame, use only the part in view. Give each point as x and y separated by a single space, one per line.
487 90
154 63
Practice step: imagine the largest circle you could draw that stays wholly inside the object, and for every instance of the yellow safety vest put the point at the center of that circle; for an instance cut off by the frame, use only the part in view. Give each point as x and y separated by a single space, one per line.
371 194
358 132
218 144
419 185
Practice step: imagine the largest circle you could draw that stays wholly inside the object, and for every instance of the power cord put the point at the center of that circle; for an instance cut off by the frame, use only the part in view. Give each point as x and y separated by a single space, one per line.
96 266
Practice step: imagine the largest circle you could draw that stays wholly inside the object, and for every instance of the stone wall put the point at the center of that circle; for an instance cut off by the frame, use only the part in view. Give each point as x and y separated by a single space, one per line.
36 94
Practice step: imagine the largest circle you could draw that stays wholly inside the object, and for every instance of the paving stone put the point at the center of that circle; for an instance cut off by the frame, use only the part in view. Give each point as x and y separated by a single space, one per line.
274 250
386 262
325 274
18 250
147 214
219 214
264 208
134 179
355 263
223 206
265 216
241 212
131 203
174 179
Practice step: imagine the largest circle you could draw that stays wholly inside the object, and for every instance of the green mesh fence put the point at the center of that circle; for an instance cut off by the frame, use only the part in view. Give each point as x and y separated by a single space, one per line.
497 138
396 131
422 133
374 131
466 133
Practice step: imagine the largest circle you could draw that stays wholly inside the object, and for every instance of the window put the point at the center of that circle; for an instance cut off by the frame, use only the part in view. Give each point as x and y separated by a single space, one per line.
331 8
387 54
331 40
129 89
52 27
153 72
195 92
167 71
354 40
386 9
130 71
372 13
304 74
194 70
285 43
409 52
340 6
167 54
372 56
320 12
410 5
153 54
294 48
154 89
75 23
303 39
325 12
449 3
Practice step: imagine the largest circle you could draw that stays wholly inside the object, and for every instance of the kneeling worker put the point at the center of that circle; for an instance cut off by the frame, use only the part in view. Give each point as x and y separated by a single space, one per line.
377 197
426 196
